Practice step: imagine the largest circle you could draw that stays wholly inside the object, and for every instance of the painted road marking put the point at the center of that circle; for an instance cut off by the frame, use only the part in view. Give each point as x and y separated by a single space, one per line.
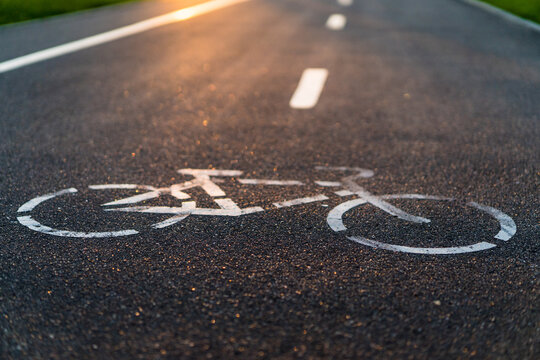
417 250
30 205
365 173
32 224
227 207
508 226
36 226
170 221
168 210
189 205
309 89
336 22
227 204
416 196
210 172
152 23
270 182
335 221
116 186
135 199
328 183
344 193
383 205
345 2
305 200
335 216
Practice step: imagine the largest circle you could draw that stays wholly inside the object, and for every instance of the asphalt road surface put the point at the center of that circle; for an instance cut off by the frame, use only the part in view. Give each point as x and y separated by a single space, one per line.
436 97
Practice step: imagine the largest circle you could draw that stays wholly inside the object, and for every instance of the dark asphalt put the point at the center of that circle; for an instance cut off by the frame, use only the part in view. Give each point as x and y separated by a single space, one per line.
435 96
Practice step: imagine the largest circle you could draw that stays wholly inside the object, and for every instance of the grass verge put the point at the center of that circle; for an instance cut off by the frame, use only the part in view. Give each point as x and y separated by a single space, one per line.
528 9
20 10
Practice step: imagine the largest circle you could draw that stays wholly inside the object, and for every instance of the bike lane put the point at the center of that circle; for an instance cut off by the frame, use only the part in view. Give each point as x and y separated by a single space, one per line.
278 283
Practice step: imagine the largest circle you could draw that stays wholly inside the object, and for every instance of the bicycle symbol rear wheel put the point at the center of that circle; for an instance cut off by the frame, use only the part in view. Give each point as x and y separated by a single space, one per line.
27 218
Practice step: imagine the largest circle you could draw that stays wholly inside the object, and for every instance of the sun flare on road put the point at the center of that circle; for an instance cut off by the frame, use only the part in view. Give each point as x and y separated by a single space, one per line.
184 14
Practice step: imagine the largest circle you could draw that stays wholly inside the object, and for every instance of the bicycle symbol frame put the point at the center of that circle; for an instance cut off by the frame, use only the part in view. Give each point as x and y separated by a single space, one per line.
207 180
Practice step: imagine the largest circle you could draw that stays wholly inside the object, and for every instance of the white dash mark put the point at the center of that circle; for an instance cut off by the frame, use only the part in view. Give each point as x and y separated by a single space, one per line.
336 22
328 183
70 47
305 200
345 2
269 182
309 89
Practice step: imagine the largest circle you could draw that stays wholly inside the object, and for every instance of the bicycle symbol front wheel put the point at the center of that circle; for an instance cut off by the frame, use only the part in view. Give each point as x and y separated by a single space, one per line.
335 220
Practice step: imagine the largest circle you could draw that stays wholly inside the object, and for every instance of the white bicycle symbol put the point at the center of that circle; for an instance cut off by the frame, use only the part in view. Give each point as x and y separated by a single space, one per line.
207 180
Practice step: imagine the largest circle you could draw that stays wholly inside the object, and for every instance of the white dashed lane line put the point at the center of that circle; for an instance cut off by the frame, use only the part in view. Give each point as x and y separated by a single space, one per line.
309 89
345 2
336 22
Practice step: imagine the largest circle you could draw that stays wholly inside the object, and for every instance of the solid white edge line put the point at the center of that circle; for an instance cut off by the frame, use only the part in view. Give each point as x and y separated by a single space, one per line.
309 88
503 14
108 36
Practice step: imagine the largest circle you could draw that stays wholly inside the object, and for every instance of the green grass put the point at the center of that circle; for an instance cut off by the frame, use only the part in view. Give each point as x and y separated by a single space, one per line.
528 9
20 10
